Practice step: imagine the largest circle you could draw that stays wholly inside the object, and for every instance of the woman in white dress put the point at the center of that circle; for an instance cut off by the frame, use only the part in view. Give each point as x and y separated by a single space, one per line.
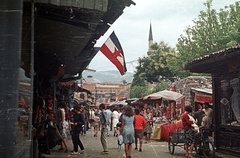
63 125
115 117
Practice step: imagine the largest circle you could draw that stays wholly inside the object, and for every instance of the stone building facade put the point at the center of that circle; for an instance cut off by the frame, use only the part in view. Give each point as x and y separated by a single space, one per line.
185 86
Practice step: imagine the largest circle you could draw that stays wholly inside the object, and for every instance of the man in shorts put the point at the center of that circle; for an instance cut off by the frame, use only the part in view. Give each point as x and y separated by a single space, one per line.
139 125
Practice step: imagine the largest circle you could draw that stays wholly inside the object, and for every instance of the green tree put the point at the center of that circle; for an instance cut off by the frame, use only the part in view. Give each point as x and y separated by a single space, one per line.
175 65
160 86
138 87
138 81
211 32
138 91
152 67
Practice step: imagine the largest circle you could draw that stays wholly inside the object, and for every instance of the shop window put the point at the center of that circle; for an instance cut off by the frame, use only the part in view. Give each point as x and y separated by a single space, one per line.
230 101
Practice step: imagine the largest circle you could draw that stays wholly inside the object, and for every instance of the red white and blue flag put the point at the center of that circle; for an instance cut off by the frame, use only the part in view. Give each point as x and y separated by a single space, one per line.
114 52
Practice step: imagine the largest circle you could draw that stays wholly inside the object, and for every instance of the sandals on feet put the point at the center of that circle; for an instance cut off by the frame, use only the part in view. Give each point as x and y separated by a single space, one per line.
66 151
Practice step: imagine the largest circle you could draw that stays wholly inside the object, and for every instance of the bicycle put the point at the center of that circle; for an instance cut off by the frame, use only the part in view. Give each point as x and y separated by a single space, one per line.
205 145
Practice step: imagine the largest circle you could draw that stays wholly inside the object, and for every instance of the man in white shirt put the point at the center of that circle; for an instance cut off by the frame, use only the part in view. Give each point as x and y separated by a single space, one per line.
208 111
109 115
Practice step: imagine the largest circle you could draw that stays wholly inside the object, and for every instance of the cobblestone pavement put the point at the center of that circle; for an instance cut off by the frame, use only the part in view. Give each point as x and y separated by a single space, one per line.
156 149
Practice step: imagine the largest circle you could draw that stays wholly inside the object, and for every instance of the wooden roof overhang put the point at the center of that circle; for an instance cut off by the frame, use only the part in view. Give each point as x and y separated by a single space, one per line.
225 60
65 32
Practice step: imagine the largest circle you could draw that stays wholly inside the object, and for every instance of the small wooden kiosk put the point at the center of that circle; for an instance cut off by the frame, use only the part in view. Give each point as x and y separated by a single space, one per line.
201 96
224 66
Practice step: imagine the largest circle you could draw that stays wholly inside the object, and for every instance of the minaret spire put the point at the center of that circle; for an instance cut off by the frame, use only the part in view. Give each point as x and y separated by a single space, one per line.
150 40
150 33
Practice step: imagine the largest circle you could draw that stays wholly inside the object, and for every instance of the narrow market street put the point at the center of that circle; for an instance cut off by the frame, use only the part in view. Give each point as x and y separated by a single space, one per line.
156 149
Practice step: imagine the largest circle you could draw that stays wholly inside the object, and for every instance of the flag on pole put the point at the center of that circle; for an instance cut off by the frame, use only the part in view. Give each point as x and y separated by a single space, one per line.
114 52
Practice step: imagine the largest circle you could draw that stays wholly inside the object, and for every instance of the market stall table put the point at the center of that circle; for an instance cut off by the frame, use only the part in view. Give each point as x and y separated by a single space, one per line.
165 129
161 130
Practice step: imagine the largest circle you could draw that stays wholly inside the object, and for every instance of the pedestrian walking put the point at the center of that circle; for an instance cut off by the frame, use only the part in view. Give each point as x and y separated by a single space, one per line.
96 124
78 121
109 114
85 116
139 125
127 131
104 123
115 120
91 117
63 111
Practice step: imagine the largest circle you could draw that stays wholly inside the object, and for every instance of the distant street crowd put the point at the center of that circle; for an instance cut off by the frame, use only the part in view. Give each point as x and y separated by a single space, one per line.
131 126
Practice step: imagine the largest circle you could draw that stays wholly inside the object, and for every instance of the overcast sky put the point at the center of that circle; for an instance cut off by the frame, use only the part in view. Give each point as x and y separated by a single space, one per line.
168 18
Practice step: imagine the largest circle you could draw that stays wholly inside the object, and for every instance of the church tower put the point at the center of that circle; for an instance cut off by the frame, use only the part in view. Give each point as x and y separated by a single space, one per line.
150 40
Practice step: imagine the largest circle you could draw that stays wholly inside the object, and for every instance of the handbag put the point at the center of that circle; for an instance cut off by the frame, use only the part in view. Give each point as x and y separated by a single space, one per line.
119 124
119 142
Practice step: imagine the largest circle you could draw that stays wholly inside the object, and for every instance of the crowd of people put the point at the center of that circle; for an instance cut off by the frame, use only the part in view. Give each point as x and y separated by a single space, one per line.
133 124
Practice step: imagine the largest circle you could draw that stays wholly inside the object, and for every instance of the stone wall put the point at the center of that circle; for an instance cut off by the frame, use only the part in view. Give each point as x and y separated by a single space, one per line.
184 86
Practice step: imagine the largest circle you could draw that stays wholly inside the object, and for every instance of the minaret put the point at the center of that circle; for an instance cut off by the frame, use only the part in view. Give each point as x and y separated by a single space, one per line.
150 40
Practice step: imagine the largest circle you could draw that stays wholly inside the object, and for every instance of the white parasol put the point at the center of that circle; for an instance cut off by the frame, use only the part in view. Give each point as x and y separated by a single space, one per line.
167 95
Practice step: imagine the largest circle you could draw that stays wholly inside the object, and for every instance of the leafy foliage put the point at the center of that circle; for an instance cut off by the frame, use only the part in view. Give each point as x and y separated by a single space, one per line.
150 68
210 33
138 87
138 91
160 86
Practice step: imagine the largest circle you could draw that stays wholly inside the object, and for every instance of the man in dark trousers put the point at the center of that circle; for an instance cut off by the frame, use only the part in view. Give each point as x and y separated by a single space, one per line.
197 115
78 122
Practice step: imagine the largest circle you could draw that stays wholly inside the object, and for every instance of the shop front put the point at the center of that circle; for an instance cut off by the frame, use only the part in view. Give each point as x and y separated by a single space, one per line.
201 96
224 66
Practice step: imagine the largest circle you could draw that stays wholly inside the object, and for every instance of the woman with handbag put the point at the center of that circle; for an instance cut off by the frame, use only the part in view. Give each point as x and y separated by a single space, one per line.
127 131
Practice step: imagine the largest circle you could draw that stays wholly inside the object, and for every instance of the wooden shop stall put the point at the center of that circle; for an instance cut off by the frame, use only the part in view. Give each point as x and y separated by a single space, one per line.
201 96
224 66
